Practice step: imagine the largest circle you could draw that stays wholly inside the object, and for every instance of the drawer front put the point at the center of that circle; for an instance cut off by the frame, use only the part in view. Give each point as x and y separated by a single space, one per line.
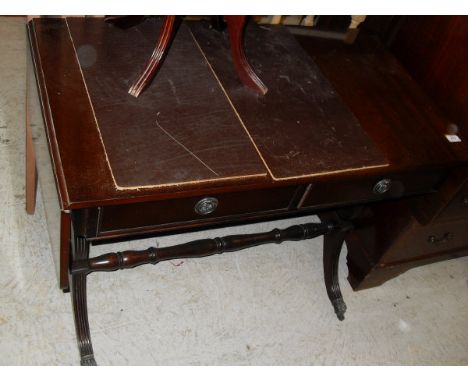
458 207
430 240
141 215
368 189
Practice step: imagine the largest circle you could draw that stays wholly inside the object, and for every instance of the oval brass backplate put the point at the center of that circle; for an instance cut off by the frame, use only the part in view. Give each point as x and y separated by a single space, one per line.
382 186
206 206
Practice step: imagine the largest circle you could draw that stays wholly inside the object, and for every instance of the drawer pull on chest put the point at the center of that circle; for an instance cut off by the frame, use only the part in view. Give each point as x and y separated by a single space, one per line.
206 206
443 239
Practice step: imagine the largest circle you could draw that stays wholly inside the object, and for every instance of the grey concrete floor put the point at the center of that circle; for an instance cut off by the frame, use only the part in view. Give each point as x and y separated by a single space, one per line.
264 306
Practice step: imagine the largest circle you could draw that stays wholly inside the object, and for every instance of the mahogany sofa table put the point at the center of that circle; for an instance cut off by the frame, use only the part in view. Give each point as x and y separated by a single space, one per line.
197 149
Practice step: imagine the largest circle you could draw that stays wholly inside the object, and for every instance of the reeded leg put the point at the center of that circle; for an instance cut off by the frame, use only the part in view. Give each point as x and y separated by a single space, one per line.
154 63
333 242
245 72
80 308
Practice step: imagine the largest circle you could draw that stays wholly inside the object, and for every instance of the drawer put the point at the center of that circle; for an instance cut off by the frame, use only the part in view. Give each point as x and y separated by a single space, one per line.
148 214
458 206
368 189
426 241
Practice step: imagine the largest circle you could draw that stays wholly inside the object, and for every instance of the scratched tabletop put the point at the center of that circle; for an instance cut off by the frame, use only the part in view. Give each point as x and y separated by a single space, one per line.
196 124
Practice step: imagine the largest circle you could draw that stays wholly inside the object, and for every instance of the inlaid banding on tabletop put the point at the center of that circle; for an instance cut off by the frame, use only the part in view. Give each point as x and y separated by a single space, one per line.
178 120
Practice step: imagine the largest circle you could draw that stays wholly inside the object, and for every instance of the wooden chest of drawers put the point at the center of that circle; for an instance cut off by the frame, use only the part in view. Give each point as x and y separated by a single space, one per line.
390 238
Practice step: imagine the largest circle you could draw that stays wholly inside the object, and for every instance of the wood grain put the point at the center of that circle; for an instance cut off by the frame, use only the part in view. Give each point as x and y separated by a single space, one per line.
301 127
180 130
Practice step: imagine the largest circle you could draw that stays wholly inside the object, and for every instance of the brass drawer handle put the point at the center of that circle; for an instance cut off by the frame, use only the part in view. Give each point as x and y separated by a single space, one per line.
443 239
206 206
382 186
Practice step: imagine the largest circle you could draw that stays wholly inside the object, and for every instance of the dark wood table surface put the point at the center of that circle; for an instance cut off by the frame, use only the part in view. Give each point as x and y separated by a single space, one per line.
336 122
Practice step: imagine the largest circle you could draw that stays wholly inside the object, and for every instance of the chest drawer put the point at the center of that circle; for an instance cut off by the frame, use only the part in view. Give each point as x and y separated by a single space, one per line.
426 241
457 207
206 207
